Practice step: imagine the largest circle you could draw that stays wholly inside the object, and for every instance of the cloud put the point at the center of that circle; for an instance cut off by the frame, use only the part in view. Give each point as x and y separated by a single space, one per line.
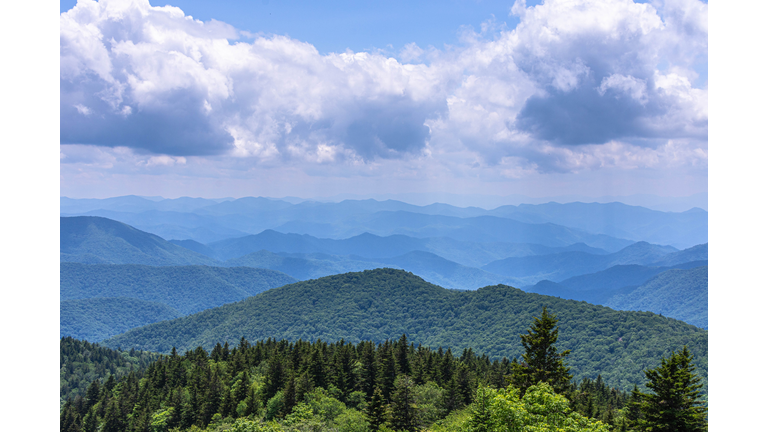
574 80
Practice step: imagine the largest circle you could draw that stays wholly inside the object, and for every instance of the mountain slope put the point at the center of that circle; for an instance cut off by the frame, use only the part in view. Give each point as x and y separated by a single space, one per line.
676 293
558 267
187 289
93 240
96 319
695 253
303 267
386 303
366 245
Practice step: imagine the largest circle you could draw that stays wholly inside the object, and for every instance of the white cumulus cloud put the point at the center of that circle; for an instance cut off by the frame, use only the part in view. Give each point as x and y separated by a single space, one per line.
578 84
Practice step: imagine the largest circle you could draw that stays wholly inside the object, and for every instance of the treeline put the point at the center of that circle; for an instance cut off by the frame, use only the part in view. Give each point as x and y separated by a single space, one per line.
82 362
339 385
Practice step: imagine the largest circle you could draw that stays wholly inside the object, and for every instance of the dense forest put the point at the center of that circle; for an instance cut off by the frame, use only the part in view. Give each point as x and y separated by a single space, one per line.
342 386
82 362
382 304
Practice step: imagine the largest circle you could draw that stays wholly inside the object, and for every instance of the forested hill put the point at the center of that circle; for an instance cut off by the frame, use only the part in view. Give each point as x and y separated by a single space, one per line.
385 303
97 240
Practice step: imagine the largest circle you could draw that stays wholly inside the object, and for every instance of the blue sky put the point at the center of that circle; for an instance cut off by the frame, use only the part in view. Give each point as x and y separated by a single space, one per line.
300 98
335 26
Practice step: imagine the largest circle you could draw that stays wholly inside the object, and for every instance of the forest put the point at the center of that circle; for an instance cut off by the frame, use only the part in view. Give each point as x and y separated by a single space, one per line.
277 385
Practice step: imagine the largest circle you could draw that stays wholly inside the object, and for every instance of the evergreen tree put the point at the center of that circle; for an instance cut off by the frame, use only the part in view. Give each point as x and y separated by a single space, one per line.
480 413
541 361
403 406
674 405
376 411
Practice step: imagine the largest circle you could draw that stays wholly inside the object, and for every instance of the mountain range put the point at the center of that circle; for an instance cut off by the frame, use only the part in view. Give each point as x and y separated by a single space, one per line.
207 221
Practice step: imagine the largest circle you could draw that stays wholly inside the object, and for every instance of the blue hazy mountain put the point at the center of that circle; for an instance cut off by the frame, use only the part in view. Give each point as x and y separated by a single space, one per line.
366 245
448 274
561 266
351 217
303 266
695 253
172 224
682 229
678 293
100 240
478 229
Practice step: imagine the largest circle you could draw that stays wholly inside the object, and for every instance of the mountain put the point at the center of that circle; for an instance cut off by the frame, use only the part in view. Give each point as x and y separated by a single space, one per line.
683 229
187 289
99 240
679 293
385 303
695 253
561 266
448 274
482 229
303 266
195 246
171 224
426 265
614 277
96 319
367 245
212 220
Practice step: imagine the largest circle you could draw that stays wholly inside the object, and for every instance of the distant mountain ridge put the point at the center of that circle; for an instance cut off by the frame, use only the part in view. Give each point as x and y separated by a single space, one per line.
210 220
561 266
373 246
445 261
679 292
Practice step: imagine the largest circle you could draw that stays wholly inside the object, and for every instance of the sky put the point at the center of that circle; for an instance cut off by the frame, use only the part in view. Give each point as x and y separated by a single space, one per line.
317 99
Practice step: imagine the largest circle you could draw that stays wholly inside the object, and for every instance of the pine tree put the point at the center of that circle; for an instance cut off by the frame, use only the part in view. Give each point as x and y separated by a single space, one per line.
480 411
674 405
376 412
403 406
541 361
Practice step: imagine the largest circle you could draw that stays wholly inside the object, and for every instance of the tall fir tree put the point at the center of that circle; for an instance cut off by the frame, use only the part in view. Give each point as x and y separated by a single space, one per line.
541 361
376 410
675 403
403 406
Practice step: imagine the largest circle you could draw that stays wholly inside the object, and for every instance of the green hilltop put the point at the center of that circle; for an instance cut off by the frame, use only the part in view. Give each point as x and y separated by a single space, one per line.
383 304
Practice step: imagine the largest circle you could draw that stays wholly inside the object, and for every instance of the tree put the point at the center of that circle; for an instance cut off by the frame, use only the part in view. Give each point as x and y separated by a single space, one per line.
675 403
376 411
403 406
541 361
540 410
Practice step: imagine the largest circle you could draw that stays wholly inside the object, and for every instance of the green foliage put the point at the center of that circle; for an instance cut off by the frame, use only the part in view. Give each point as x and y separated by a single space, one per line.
186 289
96 319
83 365
541 362
381 304
225 391
539 410
675 403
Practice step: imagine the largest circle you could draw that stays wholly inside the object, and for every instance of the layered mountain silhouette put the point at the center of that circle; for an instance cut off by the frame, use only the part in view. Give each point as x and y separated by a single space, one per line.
211 220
